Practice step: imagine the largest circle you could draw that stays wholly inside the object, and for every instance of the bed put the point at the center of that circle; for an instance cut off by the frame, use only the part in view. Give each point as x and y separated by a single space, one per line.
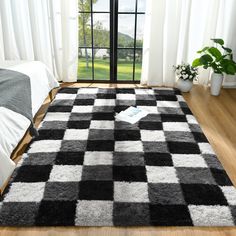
13 126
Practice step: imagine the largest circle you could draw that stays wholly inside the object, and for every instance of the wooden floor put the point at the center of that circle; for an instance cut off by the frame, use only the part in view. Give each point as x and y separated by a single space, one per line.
217 117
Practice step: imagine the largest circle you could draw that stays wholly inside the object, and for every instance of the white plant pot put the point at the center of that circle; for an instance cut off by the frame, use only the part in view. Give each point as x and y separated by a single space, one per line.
216 83
184 85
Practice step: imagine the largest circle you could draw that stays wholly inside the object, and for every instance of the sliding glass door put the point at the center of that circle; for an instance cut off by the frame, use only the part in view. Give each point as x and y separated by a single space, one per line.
94 40
110 40
130 39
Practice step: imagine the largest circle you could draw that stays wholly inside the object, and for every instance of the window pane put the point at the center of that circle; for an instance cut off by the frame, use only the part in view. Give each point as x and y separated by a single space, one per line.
85 64
126 30
101 64
101 5
84 5
141 5
85 30
126 5
140 28
125 64
101 34
138 64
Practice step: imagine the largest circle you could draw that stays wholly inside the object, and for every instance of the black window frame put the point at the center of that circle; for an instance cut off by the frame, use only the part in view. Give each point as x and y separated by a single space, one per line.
114 13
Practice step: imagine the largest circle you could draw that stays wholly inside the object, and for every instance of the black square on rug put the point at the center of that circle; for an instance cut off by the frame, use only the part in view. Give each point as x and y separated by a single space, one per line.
88 169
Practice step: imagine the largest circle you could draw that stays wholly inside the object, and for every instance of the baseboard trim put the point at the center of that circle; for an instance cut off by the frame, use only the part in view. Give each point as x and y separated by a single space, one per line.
229 85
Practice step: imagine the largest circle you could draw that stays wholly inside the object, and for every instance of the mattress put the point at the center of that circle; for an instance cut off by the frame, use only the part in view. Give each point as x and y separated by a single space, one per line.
13 126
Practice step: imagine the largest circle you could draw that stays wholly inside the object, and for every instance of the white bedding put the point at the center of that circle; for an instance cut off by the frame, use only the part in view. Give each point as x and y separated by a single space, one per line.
13 125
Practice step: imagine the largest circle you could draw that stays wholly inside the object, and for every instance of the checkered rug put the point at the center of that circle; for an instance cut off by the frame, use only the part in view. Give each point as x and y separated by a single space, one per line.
88 169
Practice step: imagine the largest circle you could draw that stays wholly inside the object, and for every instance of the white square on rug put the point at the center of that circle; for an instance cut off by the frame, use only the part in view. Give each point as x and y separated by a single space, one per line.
66 173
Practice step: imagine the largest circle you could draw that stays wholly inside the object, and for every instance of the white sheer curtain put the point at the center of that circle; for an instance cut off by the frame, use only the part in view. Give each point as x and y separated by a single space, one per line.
45 30
176 29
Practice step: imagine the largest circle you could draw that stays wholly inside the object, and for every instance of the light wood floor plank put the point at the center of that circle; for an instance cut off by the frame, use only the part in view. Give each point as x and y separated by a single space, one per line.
217 117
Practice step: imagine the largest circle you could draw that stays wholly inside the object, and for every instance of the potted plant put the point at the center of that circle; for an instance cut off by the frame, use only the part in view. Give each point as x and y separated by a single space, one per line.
185 74
220 60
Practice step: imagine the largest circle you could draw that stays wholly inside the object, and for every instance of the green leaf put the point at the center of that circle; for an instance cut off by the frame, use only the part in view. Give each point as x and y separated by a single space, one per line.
227 49
230 69
215 52
219 41
225 62
196 63
205 59
203 50
216 68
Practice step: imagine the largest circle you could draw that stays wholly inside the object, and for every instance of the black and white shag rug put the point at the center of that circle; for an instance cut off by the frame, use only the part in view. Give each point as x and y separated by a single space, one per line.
88 169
